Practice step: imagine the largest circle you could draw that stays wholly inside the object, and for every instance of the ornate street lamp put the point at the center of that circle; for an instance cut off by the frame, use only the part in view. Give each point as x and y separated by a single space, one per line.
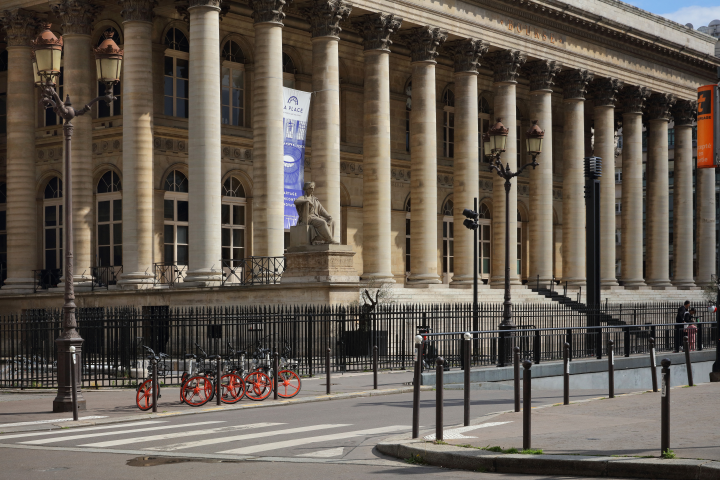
47 55
495 141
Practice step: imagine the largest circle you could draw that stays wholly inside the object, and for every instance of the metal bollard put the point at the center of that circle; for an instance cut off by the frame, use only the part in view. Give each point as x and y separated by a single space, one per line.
665 407
218 381
688 363
527 403
611 369
566 374
466 392
439 390
327 371
516 365
276 377
416 387
375 366
653 365
73 386
154 384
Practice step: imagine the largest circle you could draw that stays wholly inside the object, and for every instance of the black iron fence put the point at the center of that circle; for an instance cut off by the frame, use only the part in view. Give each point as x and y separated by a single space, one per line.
112 353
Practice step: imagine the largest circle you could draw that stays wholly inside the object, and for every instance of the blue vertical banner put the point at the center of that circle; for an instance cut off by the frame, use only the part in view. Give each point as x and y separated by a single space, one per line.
296 107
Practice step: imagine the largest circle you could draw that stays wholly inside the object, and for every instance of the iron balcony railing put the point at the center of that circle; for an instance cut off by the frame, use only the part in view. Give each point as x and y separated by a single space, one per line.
169 274
252 271
47 278
105 276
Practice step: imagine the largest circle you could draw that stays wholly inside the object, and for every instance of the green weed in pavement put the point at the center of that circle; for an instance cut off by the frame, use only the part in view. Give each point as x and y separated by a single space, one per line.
668 454
416 460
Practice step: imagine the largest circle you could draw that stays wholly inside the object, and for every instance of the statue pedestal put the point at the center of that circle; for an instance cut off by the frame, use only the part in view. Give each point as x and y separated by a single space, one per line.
320 264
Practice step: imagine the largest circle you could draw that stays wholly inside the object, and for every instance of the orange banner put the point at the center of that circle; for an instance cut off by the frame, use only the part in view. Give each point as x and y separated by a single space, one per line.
706 127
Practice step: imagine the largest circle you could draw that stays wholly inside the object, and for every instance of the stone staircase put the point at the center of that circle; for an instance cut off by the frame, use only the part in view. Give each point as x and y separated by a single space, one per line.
444 294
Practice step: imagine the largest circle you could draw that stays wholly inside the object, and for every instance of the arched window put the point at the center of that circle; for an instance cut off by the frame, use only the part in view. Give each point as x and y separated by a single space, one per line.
232 85
407 237
176 218
484 240
483 126
289 71
109 220
114 108
233 223
448 123
52 225
447 241
3 233
3 61
408 107
177 74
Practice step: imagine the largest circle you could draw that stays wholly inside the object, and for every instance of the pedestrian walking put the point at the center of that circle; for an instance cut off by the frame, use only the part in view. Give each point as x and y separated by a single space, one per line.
690 328
679 324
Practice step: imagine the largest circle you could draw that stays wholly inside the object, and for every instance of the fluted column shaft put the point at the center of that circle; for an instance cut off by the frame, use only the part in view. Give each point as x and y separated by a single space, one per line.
573 192
683 208
204 146
377 235
605 149
137 97
658 208
707 263
632 202
268 167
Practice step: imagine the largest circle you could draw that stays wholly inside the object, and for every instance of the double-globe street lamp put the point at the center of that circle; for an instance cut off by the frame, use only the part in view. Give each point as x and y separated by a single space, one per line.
47 55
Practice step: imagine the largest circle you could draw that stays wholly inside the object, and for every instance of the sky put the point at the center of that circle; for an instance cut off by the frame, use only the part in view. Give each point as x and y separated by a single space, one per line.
699 12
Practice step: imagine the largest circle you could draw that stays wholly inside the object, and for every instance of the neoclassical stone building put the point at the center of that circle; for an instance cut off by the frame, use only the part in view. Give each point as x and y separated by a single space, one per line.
186 167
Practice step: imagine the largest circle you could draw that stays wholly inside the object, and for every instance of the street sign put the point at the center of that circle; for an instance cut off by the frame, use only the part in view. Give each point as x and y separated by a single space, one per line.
708 126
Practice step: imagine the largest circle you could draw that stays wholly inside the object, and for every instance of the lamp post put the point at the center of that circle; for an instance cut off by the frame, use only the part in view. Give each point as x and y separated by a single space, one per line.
494 143
471 223
46 55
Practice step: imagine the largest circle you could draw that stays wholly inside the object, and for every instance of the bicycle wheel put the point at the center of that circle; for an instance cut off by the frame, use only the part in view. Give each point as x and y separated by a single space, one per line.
143 397
232 388
183 379
258 386
288 384
197 391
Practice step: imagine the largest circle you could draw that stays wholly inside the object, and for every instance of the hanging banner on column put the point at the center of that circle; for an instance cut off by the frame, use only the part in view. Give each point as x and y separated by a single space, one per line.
708 121
296 107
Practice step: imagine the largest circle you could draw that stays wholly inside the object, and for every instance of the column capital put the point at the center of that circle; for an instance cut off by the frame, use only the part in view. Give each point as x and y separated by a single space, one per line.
204 3
659 105
20 26
574 83
268 11
605 91
542 74
137 10
466 53
633 98
684 113
424 42
376 28
76 16
505 65
325 16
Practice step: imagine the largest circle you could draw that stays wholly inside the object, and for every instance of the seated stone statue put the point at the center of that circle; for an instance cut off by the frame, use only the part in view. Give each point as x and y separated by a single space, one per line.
311 213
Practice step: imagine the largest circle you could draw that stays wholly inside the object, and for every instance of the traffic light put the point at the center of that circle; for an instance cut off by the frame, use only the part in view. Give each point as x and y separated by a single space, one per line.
471 222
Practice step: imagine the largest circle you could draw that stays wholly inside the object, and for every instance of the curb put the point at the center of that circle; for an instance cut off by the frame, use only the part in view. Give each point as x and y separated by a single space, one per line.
450 456
194 411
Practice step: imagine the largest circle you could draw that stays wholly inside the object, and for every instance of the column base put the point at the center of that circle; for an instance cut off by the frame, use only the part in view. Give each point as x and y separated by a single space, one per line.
633 284
685 285
378 277
608 283
63 400
496 282
204 277
423 279
458 280
434 286
574 282
613 288
136 281
15 286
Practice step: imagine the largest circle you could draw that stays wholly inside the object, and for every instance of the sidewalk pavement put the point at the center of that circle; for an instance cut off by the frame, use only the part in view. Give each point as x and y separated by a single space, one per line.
35 405
597 437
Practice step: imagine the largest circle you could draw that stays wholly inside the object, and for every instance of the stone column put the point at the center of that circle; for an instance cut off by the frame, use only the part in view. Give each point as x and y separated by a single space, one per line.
574 85
137 146
542 79
506 67
657 190
268 166
684 113
605 91
80 82
204 145
377 235
423 43
633 99
21 214
707 263
325 17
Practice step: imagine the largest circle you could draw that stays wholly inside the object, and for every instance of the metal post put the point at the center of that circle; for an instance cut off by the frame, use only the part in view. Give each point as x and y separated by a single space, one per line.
375 366
653 365
439 389
611 369
476 262
688 363
566 374
416 387
327 371
218 379
73 385
527 403
516 364
275 376
665 407
466 392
